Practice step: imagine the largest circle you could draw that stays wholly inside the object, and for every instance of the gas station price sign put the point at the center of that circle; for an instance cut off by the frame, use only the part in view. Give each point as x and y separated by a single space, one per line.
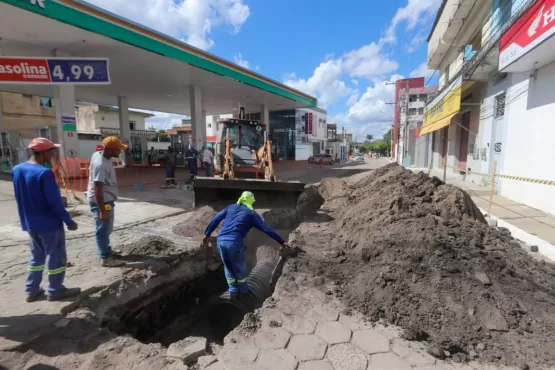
54 71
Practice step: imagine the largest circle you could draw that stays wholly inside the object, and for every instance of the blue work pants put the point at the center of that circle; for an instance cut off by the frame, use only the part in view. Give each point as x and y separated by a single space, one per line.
193 166
235 266
103 229
50 249
170 175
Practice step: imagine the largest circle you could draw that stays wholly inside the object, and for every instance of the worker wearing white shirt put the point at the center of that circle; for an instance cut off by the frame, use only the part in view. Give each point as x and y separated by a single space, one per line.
207 158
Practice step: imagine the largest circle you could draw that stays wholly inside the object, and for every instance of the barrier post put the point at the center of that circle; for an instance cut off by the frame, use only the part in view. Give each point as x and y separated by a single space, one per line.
492 188
430 166
445 166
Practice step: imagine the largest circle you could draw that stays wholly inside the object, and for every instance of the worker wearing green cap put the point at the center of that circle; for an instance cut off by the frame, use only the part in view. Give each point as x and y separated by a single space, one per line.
238 220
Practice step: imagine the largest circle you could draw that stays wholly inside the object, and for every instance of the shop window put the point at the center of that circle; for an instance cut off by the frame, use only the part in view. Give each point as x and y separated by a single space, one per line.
45 102
499 106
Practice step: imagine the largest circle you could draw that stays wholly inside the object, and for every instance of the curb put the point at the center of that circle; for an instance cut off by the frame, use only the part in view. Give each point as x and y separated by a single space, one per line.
544 247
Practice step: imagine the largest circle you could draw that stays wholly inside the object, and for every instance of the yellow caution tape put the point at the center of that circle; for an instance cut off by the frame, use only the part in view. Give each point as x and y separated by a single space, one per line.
517 178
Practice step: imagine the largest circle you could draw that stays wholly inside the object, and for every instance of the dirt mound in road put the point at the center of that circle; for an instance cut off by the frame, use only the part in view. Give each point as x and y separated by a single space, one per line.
151 246
409 249
196 223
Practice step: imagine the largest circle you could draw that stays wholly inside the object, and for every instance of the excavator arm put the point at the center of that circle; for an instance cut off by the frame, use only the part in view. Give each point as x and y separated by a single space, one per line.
264 154
228 163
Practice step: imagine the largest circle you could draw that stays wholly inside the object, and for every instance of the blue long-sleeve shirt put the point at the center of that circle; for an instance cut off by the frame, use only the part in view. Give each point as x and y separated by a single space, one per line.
238 220
39 202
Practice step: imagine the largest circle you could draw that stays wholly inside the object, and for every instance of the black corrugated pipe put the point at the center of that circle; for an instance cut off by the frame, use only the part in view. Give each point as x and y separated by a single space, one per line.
227 314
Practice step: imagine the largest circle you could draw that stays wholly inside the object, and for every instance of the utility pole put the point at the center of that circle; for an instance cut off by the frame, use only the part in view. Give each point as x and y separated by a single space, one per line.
393 127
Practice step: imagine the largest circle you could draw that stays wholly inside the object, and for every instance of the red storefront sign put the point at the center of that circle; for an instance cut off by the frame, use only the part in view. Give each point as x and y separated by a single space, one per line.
24 70
531 29
309 123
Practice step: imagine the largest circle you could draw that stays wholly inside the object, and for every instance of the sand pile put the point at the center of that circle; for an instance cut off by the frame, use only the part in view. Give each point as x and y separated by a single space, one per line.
406 248
197 222
149 246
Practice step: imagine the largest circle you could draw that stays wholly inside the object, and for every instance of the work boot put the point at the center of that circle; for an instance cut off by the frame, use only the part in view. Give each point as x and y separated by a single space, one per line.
112 262
34 297
64 294
116 252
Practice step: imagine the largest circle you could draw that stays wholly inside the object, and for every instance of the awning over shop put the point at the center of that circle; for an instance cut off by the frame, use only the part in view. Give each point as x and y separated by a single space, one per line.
437 125
440 110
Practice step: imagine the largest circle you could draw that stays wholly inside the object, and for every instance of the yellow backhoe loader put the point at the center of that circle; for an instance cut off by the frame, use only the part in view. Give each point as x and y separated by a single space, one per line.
243 161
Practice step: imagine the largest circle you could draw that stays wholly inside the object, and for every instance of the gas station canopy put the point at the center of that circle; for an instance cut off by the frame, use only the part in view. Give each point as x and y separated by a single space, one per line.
153 71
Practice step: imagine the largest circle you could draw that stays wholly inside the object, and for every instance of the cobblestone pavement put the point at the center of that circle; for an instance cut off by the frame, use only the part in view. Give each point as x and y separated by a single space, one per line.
304 327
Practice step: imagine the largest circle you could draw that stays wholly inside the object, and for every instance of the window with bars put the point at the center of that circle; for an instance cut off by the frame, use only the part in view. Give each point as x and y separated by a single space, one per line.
499 106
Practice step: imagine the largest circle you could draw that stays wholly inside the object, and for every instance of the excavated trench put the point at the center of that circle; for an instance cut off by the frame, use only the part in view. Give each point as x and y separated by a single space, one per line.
201 307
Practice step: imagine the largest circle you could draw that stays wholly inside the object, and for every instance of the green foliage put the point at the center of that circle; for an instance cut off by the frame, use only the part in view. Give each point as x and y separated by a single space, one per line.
162 135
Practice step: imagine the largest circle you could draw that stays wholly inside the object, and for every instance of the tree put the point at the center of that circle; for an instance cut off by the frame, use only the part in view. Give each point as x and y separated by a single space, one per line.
387 137
369 138
162 135
151 128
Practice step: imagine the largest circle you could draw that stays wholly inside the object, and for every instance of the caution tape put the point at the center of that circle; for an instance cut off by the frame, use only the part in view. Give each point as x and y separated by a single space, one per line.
508 177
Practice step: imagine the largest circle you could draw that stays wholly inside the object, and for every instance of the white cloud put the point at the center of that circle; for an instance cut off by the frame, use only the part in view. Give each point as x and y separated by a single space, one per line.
371 114
163 121
368 62
189 20
422 71
416 42
238 59
325 83
416 11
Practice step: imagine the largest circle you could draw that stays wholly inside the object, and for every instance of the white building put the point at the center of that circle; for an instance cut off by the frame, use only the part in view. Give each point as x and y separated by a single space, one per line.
497 94
413 150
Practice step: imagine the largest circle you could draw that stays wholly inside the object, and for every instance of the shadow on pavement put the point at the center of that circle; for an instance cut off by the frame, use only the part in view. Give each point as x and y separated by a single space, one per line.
77 335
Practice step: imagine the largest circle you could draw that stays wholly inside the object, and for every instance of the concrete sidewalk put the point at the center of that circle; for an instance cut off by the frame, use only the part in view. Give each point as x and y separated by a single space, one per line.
530 220
132 208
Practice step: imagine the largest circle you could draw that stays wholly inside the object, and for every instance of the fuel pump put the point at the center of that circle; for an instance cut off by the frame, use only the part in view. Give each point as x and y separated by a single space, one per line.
10 151
136 150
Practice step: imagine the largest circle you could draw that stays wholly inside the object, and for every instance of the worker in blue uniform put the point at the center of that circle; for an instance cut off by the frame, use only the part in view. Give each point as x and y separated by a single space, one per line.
42 215
192 158
238 220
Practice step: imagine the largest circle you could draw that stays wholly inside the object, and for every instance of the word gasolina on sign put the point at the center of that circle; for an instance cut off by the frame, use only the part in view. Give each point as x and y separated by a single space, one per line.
54 70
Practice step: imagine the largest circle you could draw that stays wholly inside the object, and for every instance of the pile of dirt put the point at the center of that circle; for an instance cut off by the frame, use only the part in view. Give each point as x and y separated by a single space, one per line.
149 246
196 222
418 253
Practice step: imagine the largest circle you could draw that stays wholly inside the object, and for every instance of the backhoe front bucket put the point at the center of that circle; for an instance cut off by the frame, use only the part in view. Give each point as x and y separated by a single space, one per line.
214 191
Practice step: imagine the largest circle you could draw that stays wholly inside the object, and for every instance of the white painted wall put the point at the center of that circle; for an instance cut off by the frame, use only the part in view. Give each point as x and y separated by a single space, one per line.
211 129
528 149
303 151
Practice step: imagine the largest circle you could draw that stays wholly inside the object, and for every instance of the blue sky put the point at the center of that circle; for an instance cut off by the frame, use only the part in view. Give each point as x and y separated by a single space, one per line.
340 52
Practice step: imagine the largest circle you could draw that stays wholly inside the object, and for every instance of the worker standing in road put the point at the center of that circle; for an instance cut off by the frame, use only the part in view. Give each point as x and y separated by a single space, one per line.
207 158
170 163
192 158
238 220
102 193
42 215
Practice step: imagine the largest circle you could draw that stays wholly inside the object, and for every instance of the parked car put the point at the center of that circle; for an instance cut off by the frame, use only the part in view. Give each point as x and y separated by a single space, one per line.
324 158
359 158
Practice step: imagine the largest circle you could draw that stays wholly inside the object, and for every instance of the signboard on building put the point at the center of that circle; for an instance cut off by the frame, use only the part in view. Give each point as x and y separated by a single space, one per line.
445 104
54 71
535 26
309 131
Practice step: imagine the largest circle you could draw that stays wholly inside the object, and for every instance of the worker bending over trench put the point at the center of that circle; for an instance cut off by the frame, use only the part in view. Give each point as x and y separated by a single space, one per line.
238 220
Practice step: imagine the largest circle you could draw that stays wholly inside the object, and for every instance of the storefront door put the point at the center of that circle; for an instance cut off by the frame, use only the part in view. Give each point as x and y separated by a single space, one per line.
463 152
444 144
